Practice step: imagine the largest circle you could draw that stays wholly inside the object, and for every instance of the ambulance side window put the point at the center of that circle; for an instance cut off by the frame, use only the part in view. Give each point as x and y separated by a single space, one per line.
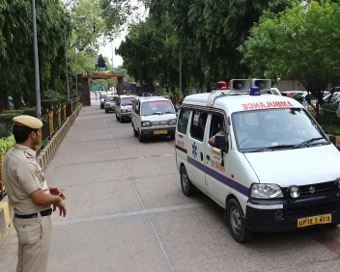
198 122
217 125
183 121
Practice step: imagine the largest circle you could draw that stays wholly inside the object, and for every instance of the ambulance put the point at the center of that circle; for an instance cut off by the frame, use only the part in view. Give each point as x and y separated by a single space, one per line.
261 157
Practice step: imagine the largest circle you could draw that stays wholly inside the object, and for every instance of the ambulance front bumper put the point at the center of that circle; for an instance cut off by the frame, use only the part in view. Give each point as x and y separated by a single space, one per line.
283 215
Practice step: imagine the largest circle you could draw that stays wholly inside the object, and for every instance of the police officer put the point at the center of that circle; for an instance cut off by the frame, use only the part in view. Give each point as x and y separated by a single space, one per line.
30 196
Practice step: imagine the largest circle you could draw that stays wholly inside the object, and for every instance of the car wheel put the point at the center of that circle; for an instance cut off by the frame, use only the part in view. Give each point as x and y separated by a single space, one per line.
187 188
236 223
140 137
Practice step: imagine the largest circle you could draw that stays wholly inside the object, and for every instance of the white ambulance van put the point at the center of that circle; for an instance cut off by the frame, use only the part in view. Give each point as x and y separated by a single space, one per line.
261 157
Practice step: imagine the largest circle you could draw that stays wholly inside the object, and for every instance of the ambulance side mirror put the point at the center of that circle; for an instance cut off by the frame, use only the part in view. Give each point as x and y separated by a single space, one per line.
222 143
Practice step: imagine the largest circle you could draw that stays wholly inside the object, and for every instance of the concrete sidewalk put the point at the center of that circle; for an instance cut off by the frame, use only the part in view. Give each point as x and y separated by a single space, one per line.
108 226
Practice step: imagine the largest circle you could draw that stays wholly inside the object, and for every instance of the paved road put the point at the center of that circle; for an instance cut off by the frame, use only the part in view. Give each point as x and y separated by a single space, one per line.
126 212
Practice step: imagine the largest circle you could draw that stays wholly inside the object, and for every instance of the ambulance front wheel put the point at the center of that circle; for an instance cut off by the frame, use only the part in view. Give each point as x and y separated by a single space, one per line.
236 223
187 187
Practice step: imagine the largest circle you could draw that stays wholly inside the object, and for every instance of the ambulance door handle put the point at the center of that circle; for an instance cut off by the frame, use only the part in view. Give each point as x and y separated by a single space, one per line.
180 135
201 156
208 157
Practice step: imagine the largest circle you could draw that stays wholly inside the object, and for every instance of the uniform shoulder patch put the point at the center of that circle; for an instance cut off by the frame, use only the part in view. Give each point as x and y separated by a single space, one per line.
28 155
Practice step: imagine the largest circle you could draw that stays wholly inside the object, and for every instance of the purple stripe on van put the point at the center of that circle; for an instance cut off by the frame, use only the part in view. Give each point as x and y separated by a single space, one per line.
229 182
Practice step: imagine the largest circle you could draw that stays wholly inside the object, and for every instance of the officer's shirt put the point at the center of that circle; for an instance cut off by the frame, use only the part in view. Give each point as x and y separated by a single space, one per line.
23 175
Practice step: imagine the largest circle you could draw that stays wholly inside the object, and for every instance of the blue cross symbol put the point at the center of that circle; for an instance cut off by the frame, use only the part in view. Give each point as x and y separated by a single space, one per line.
194 150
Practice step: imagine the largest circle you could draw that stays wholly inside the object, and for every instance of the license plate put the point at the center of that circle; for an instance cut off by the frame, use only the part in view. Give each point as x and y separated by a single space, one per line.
314 220
157 132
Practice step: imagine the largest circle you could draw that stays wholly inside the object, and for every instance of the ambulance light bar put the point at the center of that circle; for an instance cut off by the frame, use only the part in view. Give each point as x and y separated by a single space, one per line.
255 90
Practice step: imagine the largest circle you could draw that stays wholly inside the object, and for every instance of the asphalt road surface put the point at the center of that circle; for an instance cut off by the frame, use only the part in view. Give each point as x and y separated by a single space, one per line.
126 212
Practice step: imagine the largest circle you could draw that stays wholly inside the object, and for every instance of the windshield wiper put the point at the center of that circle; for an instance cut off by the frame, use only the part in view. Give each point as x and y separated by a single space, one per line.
271 148
305 143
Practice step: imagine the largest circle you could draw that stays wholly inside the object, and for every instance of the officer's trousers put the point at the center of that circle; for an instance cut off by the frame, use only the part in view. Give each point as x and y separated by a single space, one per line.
34 235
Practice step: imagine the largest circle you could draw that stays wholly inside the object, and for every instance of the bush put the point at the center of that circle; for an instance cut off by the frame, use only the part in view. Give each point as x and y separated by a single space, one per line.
6 120
6 144
329 118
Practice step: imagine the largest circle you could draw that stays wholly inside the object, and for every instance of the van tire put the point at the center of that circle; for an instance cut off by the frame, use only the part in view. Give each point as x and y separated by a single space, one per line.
187 188
140 137
236 222
134 132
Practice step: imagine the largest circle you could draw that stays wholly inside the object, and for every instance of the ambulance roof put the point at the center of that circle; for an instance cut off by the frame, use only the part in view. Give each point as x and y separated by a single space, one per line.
242 102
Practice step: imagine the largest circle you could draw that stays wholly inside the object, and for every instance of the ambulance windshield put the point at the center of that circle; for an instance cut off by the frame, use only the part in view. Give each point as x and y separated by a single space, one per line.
275 129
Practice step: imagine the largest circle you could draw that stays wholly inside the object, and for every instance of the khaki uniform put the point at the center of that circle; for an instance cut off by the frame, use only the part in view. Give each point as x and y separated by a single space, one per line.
23 176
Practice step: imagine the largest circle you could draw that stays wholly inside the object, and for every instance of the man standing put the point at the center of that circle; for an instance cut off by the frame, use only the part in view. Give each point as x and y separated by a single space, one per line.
30 196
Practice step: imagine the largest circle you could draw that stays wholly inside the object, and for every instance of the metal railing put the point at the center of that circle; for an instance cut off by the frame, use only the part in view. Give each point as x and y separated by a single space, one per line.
52 120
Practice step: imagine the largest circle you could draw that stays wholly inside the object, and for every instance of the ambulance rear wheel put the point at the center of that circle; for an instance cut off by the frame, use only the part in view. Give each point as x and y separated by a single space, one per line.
236 223
187 187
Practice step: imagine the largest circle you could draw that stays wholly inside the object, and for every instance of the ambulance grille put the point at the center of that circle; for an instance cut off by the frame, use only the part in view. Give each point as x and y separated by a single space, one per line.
318 189
315 209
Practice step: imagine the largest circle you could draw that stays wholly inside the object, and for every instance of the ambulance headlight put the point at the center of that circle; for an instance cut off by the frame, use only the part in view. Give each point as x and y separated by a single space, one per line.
265 191
146 124
294 191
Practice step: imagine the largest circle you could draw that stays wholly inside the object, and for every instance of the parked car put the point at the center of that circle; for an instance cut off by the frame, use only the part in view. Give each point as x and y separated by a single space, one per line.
110 103
124 107
291 93
332 98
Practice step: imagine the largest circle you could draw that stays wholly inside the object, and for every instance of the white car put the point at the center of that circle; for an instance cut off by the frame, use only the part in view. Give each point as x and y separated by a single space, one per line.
124 107
153 116
110 103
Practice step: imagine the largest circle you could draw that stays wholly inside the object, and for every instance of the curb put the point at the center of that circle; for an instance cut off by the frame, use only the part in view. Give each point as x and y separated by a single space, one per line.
43 158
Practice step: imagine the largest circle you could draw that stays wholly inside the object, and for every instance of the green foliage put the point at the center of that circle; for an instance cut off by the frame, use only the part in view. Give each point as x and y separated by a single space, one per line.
207 31
5 145
16 46
6 119
300 42
88 25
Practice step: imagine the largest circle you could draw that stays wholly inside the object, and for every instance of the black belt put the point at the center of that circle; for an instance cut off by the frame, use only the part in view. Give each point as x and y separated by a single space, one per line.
34 215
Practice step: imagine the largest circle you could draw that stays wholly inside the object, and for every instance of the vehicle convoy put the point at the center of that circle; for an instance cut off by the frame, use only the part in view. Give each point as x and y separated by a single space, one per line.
247 171
124 107
153 116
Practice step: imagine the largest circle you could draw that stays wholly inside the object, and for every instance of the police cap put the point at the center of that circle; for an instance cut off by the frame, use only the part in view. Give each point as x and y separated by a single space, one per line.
27 121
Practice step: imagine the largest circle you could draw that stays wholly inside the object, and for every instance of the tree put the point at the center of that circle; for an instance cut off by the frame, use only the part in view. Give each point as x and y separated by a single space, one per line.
148 54
209 32
16 58
301 42
88 25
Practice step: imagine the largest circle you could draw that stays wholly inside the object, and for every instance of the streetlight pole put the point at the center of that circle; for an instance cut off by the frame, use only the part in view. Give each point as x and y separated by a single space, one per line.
66 68
36 61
